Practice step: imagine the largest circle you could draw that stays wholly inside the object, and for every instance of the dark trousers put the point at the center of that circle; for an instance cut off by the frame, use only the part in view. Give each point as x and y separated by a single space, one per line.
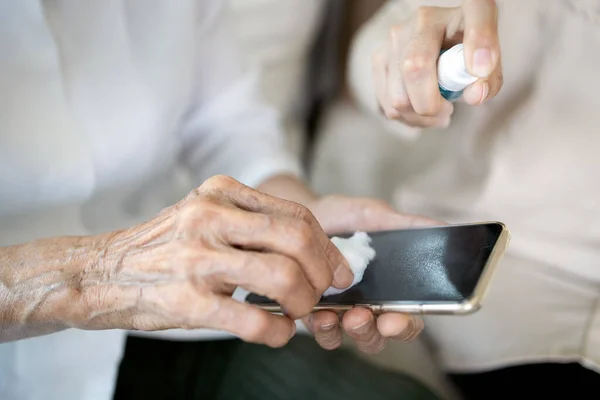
534 381
234 370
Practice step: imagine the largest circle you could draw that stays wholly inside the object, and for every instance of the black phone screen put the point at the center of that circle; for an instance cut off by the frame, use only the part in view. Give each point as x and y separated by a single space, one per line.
422 265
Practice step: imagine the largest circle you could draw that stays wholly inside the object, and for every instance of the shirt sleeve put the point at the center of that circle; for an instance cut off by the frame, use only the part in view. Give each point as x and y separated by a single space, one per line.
230 130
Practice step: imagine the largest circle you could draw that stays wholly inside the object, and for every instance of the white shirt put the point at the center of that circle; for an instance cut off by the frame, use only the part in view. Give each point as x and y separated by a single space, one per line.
528 158
110 111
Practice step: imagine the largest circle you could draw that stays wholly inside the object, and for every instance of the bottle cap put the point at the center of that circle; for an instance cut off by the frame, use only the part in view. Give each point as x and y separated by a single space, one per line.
452 70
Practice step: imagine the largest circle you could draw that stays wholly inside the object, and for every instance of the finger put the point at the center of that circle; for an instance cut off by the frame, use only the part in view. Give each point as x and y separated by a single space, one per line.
377 215
249 199
495 80
395 220
252 324
380 79
325 325
396 92
484 89
272 275
385 93
482 46
419 65
399 326
361 326
293 238
441 120
476 93
398 95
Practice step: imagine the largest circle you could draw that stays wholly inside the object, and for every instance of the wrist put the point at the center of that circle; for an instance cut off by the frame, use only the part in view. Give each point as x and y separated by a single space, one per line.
40 285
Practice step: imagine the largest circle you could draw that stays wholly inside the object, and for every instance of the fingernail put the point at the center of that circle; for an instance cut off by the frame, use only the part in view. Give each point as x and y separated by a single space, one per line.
293 331
328 327
482 63
342 276
362 328
485 90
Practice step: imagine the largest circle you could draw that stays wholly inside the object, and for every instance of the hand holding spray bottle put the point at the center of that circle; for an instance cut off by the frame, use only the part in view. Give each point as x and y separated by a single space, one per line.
453 76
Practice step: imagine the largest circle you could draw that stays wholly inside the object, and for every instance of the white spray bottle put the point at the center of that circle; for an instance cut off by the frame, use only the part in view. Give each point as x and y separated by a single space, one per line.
453 76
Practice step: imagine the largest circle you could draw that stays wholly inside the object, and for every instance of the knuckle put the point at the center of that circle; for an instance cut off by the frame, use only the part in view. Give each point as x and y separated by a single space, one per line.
303 213
417 62
392 113
400 104
199 211
218 182
302 236
287 276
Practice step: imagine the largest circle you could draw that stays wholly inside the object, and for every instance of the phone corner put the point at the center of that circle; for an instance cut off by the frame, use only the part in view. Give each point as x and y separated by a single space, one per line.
470 307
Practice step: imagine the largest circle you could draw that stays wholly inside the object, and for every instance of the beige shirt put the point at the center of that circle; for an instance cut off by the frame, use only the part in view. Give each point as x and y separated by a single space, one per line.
528 158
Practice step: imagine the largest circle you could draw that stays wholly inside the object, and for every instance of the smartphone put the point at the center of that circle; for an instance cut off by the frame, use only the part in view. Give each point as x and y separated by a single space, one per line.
433 270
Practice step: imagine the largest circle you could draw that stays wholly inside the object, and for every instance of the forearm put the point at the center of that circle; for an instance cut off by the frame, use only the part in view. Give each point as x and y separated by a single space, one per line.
40 285
289 187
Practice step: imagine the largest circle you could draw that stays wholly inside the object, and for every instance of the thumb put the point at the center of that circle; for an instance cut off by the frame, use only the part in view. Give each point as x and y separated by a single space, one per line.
482 46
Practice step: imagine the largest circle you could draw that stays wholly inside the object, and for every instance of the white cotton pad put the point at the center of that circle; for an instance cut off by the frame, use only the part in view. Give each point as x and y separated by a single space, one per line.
358 251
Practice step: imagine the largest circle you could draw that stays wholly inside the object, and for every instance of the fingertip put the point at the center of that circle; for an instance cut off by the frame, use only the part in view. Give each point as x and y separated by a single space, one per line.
447 108
322 319
356 318
325 326
392 324
443 122
476 93
343 275
278 341
400 327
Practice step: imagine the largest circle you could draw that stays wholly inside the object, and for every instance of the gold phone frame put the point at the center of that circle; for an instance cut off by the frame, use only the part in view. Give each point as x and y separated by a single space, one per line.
468 306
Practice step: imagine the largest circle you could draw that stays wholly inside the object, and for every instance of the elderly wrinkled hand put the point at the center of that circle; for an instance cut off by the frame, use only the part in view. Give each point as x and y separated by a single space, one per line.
180 269
405 67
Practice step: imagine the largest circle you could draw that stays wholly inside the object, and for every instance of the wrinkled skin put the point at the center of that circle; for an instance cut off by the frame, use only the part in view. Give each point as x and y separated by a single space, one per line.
180 269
